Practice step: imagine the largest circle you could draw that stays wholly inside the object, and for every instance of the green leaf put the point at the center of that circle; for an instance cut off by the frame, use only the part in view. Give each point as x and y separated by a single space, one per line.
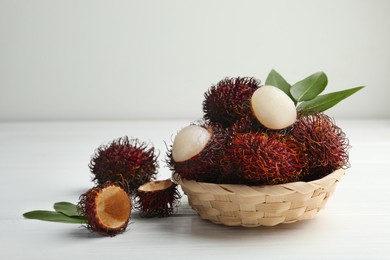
276 80
67 208
309 87
324 102
54 216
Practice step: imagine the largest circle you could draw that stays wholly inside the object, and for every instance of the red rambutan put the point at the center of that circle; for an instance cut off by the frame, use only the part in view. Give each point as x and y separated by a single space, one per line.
229 100
107 208
126 161
324 142
246 124
157 198
262 158
196 152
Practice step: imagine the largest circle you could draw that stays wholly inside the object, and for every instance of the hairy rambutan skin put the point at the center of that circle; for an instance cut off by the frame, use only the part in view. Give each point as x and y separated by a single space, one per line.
88 207
324 142
229 100
124 160
157 203
205 166
259 158
247 124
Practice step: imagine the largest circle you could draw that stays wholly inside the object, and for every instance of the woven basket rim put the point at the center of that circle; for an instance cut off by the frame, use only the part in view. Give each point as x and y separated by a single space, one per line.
294 186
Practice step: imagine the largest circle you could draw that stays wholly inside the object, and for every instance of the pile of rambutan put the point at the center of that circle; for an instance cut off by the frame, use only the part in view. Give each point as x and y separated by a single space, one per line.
256 134
124 172
133 165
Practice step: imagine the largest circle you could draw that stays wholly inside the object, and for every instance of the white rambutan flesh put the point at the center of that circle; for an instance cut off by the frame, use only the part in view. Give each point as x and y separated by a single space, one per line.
189 142
273 108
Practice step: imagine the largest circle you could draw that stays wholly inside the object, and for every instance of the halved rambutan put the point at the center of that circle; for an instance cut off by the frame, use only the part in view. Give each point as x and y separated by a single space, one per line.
260 158
126 161
157 198
324 142
196 152
229 100
107 208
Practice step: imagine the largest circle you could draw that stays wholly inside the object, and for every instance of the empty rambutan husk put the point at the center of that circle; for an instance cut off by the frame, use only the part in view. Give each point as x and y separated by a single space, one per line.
324 142
229 100
204 165
124 160
260 158
157 198
107 208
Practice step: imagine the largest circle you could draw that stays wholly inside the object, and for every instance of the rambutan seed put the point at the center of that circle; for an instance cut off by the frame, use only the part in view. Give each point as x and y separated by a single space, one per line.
157 198
229 100
107 208
126 161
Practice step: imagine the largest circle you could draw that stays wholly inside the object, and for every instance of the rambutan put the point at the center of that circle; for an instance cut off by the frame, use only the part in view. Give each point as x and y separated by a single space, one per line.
107 208
196 152
273 108
126 161
229 100
324 142
157 198
260 158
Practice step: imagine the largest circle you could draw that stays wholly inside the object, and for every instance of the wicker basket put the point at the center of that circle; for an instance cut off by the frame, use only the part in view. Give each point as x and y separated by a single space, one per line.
253 206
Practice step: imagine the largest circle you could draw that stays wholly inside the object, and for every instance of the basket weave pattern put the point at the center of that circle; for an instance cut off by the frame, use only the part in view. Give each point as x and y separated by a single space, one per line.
253 206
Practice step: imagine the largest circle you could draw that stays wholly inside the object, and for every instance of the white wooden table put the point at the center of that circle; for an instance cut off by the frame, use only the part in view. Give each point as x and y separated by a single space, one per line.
46 162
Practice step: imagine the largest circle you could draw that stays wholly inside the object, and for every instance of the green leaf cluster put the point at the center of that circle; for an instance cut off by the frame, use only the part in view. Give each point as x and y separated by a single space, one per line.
65 212
306 93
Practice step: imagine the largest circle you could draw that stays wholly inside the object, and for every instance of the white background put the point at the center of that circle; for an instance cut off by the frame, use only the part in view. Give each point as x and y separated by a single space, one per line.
110 60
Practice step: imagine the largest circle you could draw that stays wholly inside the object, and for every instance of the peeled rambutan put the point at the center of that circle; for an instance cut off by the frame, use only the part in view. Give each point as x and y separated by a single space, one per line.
196 152
324 142
157 198
273 108
260 158
126 161
107 208
229 100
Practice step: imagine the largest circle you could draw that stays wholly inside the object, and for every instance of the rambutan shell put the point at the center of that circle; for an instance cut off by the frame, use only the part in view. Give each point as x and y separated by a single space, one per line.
107 208
157 198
